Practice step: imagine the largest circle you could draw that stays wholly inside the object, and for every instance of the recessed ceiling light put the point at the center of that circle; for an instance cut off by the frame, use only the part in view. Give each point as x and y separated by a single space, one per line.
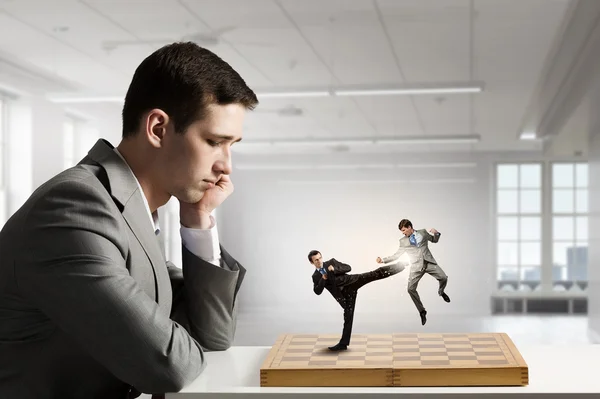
528 136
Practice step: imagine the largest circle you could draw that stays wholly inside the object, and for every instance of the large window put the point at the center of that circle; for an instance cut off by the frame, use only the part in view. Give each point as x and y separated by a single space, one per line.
569 226
519 226
542 229
3 160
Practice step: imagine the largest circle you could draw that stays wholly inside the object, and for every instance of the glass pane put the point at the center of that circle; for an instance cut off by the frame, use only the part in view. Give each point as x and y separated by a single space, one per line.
579 271
531 228
508 176
562 175
531 176
581 175
581 201
563 228
507 253
531 253
531 273
577 262
559 273
581 228
508 273
562 201
559 253
507 201
531 201
507 228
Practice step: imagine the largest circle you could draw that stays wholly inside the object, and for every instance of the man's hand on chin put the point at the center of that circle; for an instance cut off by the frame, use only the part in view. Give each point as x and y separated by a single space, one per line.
197 216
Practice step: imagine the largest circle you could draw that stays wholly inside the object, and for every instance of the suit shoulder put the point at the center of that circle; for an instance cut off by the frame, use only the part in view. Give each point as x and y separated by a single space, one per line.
76 198
77 178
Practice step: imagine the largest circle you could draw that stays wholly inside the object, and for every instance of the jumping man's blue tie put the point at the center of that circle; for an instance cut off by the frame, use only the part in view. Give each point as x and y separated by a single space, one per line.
413 239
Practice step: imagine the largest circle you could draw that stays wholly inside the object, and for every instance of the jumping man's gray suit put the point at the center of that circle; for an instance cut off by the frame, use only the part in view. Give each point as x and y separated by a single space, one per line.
421 261
88 306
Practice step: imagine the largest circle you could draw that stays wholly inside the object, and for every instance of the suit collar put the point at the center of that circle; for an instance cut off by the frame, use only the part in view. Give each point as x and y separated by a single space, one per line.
122 182
124 189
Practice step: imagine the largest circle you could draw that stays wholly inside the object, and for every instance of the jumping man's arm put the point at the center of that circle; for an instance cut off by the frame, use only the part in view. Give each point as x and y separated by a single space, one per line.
395 256
433 238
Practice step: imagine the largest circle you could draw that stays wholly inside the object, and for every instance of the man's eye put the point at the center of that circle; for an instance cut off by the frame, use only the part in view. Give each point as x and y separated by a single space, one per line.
212 143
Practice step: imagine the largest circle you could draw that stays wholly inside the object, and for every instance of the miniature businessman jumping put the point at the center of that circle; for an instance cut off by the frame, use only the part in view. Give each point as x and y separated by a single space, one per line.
414 243
333 276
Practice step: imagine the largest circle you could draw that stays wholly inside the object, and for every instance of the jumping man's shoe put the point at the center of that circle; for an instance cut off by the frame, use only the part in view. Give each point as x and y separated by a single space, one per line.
423 317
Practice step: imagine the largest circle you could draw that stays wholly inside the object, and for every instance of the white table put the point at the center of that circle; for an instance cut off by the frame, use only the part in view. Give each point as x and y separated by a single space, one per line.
235 373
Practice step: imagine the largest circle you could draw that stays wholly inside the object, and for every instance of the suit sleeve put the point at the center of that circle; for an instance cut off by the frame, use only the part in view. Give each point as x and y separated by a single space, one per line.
395 256
204 298
433 238
341 268
318 284
74 271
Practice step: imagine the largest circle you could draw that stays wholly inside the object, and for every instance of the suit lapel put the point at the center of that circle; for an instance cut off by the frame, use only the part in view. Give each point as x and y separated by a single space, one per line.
142 228
125 190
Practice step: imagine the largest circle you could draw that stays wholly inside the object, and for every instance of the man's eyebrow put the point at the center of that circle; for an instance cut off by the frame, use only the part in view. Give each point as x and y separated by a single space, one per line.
226 137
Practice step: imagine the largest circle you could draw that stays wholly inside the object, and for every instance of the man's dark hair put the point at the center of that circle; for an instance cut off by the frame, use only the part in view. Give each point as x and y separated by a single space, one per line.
182 79
311 254
404 223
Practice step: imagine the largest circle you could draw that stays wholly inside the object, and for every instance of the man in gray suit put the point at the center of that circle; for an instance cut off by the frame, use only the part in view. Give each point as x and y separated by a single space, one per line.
89 307
414 244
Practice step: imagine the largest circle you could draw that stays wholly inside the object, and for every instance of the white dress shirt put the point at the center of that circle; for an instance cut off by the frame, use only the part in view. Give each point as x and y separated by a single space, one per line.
204 243
418 237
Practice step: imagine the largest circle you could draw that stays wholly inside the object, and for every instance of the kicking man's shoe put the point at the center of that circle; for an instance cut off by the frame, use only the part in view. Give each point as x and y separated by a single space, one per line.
338 347
446 297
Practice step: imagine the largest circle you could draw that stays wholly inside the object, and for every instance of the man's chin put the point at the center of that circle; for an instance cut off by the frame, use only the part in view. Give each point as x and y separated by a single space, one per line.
190 197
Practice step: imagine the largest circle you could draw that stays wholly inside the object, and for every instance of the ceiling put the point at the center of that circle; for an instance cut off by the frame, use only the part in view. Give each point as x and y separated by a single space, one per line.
69 46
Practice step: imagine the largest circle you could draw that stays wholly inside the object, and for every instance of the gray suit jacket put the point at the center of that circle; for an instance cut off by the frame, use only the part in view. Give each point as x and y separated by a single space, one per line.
416 254
88 306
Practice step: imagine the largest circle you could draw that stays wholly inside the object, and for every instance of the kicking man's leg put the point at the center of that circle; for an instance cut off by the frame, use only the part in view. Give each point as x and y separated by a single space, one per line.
437 272
413 281
377 274
348 303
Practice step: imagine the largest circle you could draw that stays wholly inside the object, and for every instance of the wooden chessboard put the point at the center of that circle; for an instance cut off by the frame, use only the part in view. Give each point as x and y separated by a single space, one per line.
418 359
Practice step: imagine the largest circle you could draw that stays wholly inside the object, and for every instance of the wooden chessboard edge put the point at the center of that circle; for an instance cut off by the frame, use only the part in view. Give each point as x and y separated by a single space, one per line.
514 350
460 377
382 377
469 368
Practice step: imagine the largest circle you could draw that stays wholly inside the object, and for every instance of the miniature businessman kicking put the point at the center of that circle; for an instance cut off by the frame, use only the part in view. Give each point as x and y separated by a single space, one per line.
414 243
333 276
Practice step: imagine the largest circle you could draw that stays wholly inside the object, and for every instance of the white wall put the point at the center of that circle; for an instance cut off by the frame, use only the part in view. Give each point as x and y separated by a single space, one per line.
270 227
20 160
47 145
35 145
